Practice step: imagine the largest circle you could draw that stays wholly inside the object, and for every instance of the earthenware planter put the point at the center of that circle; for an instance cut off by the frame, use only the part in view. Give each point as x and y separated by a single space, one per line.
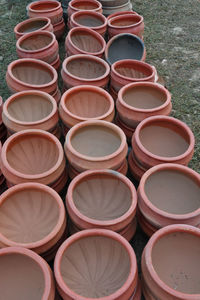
130 23
31 25
85 69
85 102
91 19
180 190
29 198
125 46
120 13
39 44
76 5
59 29
96 245
83 40
162 139
28 274
95 145
170 264
46 8
138 101
30 110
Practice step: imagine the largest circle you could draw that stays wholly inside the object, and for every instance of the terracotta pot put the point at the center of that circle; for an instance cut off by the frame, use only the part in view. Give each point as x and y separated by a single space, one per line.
32 156
136 169
46 8
85 102
28 274
77 5
50 220
97 246
95 145
56 63
114 8
128 71
125 46
91 19
31 74
30 110
138 101
83 40
127 130
121 13
31 25
85 69
59 29
126 23
39 44
180 190
57 95
170 264
162 139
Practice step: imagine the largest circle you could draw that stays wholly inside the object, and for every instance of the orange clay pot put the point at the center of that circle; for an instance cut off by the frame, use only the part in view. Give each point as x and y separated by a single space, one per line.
77 5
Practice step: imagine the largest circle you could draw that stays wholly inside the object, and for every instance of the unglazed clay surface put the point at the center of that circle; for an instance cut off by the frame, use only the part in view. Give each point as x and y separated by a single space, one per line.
36 42
44 6
175 258
95 266
85 5
132 71
20 278
88 21
86 42
173 192
32 26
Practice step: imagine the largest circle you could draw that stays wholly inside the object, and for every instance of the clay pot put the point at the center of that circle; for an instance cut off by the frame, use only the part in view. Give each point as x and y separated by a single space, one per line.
106 280
29 199
136 169
77 5
130 23
57 95
30 110
125 46
120 13
56 63
162 139
95 145
85 69
86 102
31 74
46 8
39 44
83 40
170 264
169 194
59 29
127 130
33 156
101 199
115 9
128 71
91 19
27 273
31 25
138 101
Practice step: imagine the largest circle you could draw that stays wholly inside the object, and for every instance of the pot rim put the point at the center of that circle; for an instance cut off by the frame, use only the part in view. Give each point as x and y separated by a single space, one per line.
35 3
132 277
34 62
90 13
153 85
60 221
112 174
81 88
31 20
99 5
86 57
120 13
90 32
42 94
99 123
149 264
130 16
32 132
164 119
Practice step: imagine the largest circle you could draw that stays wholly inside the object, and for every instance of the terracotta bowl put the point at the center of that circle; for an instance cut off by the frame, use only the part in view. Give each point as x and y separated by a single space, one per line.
30 110
99 275
95 145
28 274
86 102
76 5
125 46
31 25
171 265
39 221
85 69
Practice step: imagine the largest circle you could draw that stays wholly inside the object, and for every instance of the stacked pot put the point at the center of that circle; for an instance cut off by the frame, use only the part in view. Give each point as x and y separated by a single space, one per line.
3 131
89 5
111 6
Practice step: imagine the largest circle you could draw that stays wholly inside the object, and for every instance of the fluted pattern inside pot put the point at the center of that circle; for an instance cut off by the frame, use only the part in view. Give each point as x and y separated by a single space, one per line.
39 6
133 72
33 25
86 42
36 42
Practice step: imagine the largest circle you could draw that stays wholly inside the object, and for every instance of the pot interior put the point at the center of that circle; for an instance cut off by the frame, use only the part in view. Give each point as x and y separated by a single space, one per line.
32 25
102 267
89 21
85 5
175 258
28 216
20 278
144 97
86 42
173 192
36 42
30 108
44 6
86 68
102 197
133 70
124 20
96 141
